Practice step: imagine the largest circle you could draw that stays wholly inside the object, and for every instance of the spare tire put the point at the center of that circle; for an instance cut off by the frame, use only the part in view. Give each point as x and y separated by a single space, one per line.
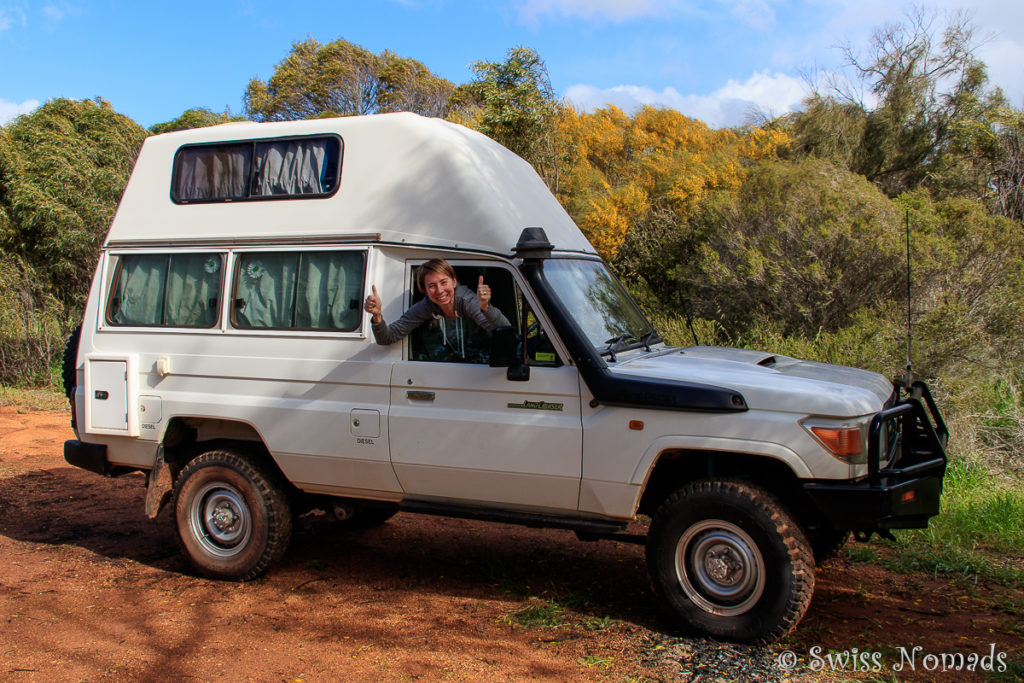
69 368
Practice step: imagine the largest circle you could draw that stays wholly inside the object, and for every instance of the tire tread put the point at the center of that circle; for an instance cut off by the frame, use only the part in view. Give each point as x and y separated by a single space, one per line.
797 547
279 519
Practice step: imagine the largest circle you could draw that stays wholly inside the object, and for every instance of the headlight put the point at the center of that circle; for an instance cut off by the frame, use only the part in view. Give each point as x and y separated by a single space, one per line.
845 440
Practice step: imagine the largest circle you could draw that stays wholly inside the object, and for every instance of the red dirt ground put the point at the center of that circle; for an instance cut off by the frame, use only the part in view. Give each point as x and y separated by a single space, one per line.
90 589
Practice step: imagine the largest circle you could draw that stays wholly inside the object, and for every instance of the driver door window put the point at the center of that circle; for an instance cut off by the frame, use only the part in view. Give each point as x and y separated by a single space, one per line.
444 340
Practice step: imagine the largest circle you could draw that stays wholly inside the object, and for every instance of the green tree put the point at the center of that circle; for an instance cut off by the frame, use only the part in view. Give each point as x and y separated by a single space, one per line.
513 102
197 117
343 79
1008 171
968 287
33 324
804 244
62 171
408 85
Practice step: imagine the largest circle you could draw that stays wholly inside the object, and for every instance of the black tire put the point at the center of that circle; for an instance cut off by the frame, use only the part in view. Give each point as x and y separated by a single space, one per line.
826 543
233 518
69 371
69 366
728 561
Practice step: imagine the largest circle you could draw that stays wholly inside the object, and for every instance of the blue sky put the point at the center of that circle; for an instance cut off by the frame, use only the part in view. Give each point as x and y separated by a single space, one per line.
715 60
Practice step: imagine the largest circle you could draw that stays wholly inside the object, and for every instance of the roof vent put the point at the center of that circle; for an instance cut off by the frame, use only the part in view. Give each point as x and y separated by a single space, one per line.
533 244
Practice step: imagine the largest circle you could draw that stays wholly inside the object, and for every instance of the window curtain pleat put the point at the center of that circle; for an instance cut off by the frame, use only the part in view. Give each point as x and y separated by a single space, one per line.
317 291
266 282
212 172
159 289
329 283
193 285
139 290
290 168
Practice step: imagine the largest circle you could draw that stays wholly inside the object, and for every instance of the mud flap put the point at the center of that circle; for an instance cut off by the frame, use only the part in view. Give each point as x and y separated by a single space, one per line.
158 485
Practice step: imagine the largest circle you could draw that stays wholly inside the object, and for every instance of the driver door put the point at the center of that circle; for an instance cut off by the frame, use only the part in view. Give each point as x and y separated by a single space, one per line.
461 432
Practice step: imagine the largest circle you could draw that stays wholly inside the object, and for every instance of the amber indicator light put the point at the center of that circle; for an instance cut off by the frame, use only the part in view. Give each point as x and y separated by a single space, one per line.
845 441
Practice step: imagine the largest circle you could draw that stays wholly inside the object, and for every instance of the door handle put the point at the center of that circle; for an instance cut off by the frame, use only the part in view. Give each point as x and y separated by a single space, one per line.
420 395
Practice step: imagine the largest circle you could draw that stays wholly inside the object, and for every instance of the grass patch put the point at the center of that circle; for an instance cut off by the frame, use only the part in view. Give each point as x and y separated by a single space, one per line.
590 661
537 615
979 533
47 398
600 623
981 524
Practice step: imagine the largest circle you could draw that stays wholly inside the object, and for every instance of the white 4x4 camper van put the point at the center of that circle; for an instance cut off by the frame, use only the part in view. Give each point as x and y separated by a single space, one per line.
225 352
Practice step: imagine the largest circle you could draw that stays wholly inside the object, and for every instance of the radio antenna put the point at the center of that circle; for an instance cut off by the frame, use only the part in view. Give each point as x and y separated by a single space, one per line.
909 377
689 320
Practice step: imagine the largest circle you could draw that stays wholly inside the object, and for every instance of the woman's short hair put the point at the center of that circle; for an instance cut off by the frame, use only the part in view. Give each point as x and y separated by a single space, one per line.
434 265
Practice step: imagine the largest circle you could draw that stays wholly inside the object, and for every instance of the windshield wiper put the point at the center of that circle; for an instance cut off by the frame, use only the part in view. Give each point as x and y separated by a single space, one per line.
651 337
615 341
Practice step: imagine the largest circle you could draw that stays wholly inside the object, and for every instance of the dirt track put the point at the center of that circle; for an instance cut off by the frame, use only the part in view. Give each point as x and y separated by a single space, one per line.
90 589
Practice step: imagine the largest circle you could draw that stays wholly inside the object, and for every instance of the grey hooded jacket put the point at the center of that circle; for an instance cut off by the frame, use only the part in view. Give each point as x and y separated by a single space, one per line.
466 306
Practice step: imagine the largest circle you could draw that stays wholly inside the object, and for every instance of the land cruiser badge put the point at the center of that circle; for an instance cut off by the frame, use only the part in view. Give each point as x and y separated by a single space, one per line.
536 405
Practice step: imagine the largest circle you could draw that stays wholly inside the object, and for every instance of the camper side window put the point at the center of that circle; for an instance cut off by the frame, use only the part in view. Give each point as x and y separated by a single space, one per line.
263 169
315 290
166 290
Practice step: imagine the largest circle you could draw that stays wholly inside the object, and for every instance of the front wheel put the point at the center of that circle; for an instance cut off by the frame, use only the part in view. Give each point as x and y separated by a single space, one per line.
728 561
233 519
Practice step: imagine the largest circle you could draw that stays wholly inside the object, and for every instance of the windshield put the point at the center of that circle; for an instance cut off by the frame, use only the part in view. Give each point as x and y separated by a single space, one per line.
599 304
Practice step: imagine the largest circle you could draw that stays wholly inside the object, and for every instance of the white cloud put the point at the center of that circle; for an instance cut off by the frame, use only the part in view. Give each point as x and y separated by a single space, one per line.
730 105
56 13
755 13
9 110
10 17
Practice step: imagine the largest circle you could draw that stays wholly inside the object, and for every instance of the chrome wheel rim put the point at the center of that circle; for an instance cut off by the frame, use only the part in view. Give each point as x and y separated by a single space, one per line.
220 520
720 568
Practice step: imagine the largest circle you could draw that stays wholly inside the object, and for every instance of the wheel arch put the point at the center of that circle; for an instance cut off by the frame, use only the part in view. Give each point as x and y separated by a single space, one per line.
187 437
676 467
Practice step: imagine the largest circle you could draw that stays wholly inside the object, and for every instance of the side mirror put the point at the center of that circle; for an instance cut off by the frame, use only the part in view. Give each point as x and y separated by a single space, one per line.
503 354
503 347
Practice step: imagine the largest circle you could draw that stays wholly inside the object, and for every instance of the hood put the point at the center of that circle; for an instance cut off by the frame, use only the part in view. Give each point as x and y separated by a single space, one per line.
767 381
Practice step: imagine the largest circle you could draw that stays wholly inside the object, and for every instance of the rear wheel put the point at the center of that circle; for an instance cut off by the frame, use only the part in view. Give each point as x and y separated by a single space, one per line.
233 518
728 561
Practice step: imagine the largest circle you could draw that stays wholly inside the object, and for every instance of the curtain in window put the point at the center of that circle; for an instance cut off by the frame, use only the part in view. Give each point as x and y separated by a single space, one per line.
193 288
330 287
212 172
290 167
311 290
266 286
138 293
160 289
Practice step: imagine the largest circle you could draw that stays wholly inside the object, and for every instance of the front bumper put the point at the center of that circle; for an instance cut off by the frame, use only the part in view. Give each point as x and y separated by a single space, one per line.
903 495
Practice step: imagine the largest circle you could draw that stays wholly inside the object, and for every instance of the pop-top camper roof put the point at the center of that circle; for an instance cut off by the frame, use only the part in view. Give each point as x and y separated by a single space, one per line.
404 178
